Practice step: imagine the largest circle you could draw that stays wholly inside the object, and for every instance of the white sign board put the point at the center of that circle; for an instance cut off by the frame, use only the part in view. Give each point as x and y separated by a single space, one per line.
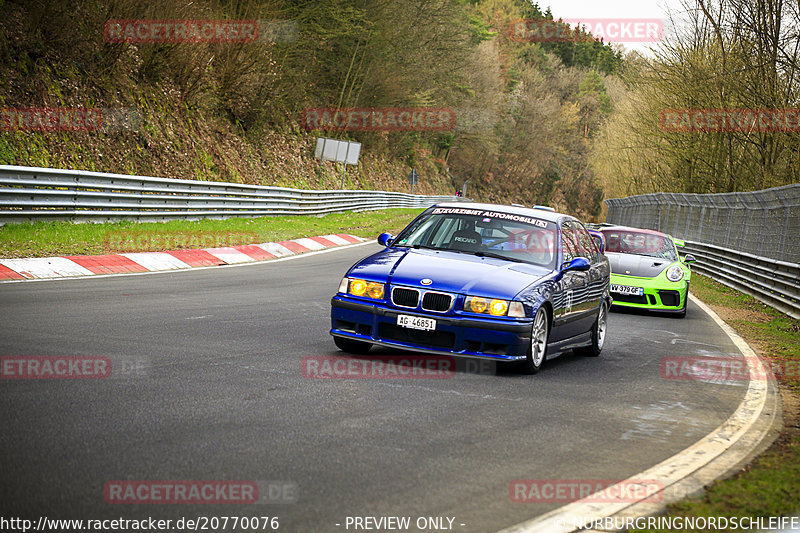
330 150
353 151
319 148
341 151
346 152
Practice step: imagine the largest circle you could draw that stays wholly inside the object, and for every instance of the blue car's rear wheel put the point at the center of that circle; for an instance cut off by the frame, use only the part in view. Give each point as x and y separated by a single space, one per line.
351 346
537 350
598 333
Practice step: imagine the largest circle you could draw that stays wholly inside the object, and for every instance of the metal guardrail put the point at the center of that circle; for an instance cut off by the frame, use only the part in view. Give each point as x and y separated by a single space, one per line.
748 241
32 194
776 283
763 223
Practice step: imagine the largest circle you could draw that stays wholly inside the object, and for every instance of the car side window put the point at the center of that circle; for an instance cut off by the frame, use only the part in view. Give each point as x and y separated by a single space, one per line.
598 241
569 241
586 244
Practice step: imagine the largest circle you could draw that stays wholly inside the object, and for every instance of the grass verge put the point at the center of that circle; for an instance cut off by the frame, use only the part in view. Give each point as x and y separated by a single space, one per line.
45 239
770 485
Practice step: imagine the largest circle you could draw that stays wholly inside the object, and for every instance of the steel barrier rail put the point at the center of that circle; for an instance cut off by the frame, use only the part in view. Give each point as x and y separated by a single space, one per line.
746 240
776 283
763 223
30 194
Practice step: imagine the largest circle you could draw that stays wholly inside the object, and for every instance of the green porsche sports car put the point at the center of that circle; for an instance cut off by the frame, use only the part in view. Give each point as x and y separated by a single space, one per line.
646 270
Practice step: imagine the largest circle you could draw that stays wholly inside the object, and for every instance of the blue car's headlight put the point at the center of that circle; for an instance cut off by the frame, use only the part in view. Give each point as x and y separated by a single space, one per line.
494 307
675 273
363 288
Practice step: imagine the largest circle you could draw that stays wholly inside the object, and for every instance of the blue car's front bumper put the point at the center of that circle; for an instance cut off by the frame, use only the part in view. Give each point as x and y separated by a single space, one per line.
497 339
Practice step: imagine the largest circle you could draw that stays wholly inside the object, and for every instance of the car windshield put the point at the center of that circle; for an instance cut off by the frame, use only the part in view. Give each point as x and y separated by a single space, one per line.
484 233
640 243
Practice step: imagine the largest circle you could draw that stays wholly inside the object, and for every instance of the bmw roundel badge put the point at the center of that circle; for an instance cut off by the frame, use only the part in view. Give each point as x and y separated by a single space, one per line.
426 281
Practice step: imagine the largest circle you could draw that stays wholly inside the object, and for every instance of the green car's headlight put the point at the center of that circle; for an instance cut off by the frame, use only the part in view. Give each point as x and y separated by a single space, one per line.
360 287
675 273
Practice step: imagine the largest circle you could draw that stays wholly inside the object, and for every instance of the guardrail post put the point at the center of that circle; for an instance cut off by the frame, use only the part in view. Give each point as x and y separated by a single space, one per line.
787 210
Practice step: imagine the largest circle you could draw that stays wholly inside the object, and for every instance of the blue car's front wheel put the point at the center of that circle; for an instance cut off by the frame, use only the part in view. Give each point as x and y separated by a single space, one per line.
537 349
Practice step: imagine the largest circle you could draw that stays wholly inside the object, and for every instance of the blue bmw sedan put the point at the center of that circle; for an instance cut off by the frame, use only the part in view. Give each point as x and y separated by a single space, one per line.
478 280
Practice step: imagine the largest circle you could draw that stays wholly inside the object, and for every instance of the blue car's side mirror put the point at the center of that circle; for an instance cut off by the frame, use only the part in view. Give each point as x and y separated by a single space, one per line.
385 239
579 264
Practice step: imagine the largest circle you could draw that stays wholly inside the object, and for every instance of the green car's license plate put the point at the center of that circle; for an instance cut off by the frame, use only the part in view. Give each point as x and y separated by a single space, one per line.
624 289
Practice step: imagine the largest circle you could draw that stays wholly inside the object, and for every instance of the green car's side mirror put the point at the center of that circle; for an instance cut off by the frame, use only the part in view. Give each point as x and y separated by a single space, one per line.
689 258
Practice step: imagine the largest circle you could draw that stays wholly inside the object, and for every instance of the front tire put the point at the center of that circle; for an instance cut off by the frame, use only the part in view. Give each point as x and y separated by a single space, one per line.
598 333
682 313
537 349
351 346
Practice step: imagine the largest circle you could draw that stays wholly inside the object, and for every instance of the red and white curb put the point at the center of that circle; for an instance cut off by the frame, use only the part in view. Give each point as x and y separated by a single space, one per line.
89 265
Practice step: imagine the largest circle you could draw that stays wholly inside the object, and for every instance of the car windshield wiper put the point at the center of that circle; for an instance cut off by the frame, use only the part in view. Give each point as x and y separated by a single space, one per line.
656 257
499 256
441 249
643 255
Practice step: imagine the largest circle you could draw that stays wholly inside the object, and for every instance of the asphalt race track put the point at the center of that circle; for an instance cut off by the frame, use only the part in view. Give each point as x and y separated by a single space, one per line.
207 385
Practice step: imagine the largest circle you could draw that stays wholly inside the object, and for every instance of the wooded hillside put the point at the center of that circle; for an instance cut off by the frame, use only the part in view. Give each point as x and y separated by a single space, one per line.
558 123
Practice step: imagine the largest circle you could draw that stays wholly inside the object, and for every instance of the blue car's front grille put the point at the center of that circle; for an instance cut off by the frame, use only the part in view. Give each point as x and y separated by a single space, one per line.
405 297
439 302
436 301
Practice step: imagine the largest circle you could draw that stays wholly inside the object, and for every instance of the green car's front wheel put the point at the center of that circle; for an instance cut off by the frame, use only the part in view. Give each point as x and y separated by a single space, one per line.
682 313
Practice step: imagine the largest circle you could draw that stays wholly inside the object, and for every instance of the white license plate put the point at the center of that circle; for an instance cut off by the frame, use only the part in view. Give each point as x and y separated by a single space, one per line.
416 322
624 289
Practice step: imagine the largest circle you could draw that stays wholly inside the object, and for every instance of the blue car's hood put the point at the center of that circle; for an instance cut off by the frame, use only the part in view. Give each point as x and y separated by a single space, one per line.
450 271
